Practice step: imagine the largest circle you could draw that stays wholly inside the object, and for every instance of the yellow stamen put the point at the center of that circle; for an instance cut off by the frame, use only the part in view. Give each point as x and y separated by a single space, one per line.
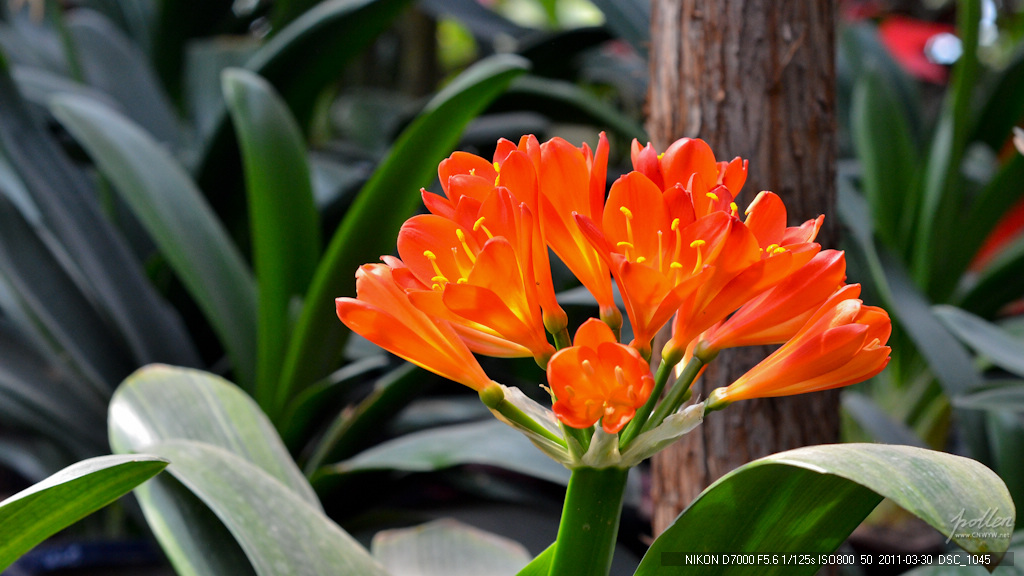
735 209
480 224
660 258
462 281
675 266
698 244
641 260
620 377
679 239
588 368
629 229
472 171
462 239
713 196
439 276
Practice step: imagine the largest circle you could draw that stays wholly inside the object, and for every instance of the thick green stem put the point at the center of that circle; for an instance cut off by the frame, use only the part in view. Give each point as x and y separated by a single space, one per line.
678 394
590 522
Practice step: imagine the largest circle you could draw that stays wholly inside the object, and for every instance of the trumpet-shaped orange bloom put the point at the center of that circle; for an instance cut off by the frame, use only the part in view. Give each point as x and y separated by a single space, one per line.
683 160
383 314
598 379
842 343
761 252
476 275
775 315
657 253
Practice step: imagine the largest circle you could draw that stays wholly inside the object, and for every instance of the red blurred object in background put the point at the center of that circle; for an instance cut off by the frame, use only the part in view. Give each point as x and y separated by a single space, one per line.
906 38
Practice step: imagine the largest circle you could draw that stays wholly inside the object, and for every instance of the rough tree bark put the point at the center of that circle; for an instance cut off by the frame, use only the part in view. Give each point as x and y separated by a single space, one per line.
756 79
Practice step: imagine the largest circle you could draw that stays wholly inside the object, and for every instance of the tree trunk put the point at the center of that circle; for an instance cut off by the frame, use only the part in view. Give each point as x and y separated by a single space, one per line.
756 79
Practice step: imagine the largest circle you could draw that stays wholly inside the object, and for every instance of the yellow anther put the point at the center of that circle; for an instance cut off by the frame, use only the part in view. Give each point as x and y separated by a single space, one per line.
588 368
771 248
462 281
626 245
697 243
620 377
462 239
713 196
675 266
735 209
641 260
438 275
472 171
675 224
778 250
497 167
436 287
479 224
626 212
661 155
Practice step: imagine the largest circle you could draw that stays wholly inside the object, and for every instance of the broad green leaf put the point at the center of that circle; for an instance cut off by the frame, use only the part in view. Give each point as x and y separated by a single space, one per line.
98 257
943 195
51 297
1005 431
447 548
41 394
280 532
1000 283
176 24
880 427
166 201
283 221
1008 396
110 62
567 101
351 429
1002 107
807 501
372 223
300 61
164 403
489 442
42 510
994 201
948 360
985 338
889 160
540 565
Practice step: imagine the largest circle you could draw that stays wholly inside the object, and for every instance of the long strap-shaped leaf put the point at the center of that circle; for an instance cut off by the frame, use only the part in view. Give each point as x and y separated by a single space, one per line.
31 516
373 221
169 205
283 222
149 325
806 501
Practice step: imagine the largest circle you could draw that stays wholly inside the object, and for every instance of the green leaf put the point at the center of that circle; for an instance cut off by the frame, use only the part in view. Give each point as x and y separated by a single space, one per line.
300 61
447 548
489 442
889 160
372 223
42 510
98 256
279 531
1008 397
943 193
168 204
880 427
568 102
164 403
110 62
956 563
540 565
985 338
995 200
1000 283
283 221
1002 108
807 501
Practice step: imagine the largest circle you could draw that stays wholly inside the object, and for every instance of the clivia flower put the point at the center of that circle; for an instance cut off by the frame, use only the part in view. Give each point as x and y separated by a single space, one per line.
598 379
383 314
840 344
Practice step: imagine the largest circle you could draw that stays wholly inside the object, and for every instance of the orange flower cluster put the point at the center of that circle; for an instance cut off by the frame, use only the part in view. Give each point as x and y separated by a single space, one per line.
473 276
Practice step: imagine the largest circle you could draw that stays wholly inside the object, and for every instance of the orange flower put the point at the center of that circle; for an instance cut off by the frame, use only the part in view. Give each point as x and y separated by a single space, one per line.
775 315
598 379
760 252
572 181
842 343
476 275
691 158
656 252
383 314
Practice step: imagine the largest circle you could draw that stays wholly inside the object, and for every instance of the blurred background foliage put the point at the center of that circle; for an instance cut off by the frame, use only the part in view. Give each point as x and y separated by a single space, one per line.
193 182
